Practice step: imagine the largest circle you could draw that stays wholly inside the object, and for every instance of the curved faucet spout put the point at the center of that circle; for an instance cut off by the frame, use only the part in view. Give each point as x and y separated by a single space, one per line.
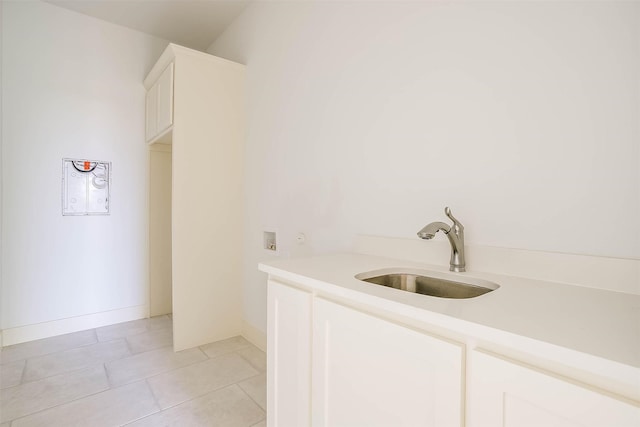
455 234
430 230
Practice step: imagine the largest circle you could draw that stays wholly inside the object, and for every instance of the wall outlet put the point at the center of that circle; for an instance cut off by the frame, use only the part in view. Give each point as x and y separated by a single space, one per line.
269 240
301 238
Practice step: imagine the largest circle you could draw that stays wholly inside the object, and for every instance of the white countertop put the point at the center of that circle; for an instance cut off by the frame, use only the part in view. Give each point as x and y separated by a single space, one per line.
597 323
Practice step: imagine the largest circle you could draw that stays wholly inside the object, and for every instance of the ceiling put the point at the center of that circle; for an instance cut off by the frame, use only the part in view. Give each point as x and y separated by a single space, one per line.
194 24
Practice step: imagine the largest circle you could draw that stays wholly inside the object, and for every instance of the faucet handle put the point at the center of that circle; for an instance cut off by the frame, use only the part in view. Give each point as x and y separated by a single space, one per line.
456 223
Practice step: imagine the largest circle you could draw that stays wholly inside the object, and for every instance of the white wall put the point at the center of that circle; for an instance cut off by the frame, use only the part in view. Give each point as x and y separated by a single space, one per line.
160 301
371 117
1 213
72 88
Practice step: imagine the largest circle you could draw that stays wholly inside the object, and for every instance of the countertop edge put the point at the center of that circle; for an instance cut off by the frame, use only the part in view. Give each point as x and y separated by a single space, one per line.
486 336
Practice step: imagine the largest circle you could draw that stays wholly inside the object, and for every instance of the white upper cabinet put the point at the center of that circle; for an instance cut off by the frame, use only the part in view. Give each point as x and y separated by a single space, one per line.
151 109
165 100
159 106
506 393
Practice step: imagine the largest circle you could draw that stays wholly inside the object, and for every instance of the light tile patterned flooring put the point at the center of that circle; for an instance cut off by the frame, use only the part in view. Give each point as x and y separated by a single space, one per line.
128 374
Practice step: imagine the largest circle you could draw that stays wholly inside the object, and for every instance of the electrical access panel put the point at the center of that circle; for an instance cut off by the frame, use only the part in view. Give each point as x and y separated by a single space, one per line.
85 187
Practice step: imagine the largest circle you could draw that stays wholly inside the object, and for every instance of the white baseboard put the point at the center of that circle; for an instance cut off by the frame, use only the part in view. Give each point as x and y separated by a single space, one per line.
615 274
37 331
254 335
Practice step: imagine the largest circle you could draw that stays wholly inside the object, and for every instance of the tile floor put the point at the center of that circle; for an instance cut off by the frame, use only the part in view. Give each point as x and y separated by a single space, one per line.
128 374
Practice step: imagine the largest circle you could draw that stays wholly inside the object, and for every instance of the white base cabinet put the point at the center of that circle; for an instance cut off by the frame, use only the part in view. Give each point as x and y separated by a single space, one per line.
371 372
288 356
506 393
346 354
331 365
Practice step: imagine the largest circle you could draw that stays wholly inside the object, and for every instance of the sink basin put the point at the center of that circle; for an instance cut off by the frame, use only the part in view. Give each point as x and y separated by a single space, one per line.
430 283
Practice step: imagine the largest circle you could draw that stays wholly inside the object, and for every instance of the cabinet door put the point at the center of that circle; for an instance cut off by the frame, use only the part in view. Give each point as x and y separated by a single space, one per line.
165 100
288 356
505 393
151 113
372 372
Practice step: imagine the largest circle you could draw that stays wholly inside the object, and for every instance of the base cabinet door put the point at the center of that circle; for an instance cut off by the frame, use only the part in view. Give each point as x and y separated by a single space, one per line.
288 356
505 393
372 372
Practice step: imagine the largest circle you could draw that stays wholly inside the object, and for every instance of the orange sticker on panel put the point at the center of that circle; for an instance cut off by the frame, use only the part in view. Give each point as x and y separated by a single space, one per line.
87 166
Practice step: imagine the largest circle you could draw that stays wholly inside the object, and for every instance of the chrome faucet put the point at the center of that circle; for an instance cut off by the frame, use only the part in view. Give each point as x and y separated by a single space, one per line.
455 233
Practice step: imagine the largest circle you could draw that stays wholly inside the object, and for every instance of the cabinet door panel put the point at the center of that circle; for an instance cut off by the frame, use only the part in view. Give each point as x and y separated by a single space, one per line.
151 107
288 356
371 372
165 99
505 393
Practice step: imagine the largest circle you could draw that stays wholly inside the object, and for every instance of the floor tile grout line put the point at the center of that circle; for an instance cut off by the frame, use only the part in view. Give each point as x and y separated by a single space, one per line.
235 350
204 394
146 320
126 342
160 373
146 331
59 404
250 397
95 336
160 409
98 341
52 352
139 419
146 351
203 353
210 391
146 326
23 382
93 365
106 373
109 388
9 347
105 362
23 373
90 365
129 356
155 398
257 368
177 368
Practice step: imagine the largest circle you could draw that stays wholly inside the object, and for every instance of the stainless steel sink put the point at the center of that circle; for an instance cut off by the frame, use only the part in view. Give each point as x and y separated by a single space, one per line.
434 284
